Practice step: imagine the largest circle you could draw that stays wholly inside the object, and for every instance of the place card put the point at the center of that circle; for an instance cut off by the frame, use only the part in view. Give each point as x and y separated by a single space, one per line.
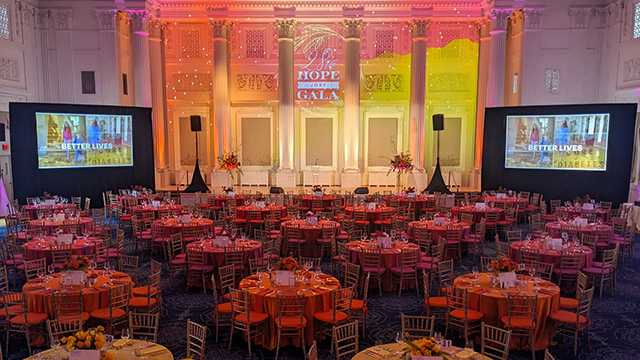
439 220
285 278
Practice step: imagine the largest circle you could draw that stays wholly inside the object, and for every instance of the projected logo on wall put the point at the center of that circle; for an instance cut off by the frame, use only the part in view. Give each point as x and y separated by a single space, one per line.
317 77
83 140
560 142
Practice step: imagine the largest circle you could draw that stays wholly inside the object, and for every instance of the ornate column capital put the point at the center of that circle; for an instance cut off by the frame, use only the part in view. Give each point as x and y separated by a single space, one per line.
419 28
286 28
532 18
352 28
221 29
140 20
499 19
62 19
579 17
484 26
155 27
106 19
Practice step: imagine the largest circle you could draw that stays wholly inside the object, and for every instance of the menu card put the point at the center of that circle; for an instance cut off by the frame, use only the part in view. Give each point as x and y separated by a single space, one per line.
286 278
66 239
587 206
384 242
439 220
481 206
222 241
507 279
312 220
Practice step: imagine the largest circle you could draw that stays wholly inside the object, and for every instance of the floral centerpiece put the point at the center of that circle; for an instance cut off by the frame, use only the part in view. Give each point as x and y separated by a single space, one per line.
229 161
227 189
137 188
503 264
401 164
424 347
502 189
258 196
369 198
287 264
76 263
88 340
47 195
316 188
409 190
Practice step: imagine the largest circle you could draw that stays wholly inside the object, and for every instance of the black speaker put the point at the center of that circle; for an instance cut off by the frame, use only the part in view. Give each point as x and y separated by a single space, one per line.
438 122
196 123
276 190
361 190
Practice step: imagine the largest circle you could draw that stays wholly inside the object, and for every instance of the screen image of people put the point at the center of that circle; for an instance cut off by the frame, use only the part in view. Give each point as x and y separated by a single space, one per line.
83 140
561 142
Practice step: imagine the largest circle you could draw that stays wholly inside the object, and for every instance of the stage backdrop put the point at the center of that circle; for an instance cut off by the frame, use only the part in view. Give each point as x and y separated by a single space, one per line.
79 150
560 151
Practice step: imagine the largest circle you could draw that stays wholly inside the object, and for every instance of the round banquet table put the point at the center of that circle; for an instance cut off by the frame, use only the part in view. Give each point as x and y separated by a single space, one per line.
389 257
221 200
403 200
263 300
172 226
392 352
49 226
33 209
39 295
371 215
159 352
478 215
242 212
214 255
308 232
522 203
575 211
549 255
327 200
139 199
39 250
141 209
492 302
437 231
555 228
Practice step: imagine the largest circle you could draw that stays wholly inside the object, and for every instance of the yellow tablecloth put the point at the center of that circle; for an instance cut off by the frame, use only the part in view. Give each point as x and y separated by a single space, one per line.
392 349
120 354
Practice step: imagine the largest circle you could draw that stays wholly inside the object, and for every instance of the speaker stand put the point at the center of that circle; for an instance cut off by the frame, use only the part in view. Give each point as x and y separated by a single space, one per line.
437 182
197 183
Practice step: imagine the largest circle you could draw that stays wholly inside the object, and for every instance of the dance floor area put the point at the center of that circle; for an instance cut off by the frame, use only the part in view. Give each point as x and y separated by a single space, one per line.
615 328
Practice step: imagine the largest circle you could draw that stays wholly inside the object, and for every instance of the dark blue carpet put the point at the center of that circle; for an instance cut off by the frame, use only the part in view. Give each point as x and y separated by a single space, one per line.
615 330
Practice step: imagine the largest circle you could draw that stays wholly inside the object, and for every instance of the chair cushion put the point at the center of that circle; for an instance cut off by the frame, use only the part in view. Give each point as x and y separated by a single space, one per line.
143 290
201 267
436 301
85 317
568 303
565 271
32 318
471 315
517 323
177 261
14 310
567 317
298 241
291 322
327 316
104 313
357 304
596 270
402 270
373 269
254 317
324 240
141 301
224 308
427 266
181 256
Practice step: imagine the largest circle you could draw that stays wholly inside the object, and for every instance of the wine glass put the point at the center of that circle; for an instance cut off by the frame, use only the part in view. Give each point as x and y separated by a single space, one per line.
51 269
269 266
475 272
307 265
125 335
469 345
532 271
393 234
399 338
234 232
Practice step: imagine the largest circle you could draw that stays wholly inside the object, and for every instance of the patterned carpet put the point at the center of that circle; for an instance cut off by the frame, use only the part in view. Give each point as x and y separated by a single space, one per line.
615 330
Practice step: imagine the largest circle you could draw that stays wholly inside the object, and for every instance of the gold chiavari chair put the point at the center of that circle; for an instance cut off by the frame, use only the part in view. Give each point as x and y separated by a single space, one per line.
336 315
459 315
59 254
345 340
359 307
571 324
115 315
197 270
371 264
128 264
495 342
417 327
147 298
258 264
521 317
543 270
249 322
222 312
290 320
407 270
196 339
143 325
68 305
35 268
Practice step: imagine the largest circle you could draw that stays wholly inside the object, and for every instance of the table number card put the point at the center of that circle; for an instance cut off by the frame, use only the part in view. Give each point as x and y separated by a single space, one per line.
371 206
411 195
384 242
286 278
501 196
231 194
444 344
185 219
155 204
312 220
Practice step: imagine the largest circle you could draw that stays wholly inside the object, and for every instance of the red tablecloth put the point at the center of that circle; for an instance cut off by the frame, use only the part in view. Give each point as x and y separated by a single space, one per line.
38 250
419 202
388 257
327 200
33 209
139 199
308 232
173 227
214 255
242 212
522 203
140 209
86 224
548 255
555 229
478 215
436 231
372 215
574 212
221 200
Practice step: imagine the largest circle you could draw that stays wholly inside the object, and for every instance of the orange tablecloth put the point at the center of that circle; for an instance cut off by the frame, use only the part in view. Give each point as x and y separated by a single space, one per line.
38 250
372 215
242 212
140 209
388 257
50 226
548 255
173 226
33 209
94 297
263 299
478 215
309 232
214 255
436 231
492 302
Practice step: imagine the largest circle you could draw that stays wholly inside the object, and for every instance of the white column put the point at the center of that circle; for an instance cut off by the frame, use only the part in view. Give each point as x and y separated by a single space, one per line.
221 102
158 101
484 28
495 85
351 176
108 56
417 111
62 24
142 71
530 60
286 176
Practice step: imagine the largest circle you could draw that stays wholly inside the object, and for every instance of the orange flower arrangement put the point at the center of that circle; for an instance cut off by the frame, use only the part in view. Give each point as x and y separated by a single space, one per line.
288 263
229 161
93 339
503 264
76 262
424 347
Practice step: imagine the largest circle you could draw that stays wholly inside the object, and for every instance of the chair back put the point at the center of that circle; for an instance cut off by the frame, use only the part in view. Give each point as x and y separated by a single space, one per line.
67 305
128 264
457 299
57 329
341 301
495 342
259 264
466 217
445 273
408 259
60 253
514 235
195 255
35 268
485 263
529 255
351 274
370 258
417 327
290 307
543 270
292 231
589 241
176 245
315 262
570 260
144 326
345 339
196 338
521 309
234 255
119 300
585 298
227 278
491 216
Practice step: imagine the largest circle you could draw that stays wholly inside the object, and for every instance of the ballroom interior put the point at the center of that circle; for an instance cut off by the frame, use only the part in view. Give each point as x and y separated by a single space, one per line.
272 103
